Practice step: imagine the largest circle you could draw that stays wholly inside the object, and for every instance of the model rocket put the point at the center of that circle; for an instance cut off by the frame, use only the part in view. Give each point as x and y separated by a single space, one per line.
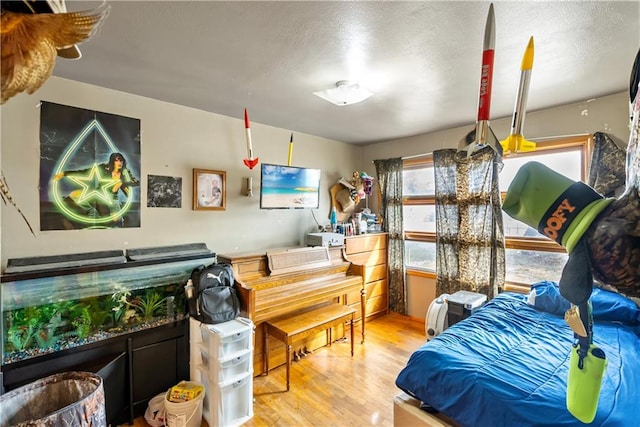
290 150
515 143
484 136
250 162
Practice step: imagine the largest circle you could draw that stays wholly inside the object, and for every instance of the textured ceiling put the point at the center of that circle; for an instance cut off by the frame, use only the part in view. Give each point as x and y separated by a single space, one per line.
422 59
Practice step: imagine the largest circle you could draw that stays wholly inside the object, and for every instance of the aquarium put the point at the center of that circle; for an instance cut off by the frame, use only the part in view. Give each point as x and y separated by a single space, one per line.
61 303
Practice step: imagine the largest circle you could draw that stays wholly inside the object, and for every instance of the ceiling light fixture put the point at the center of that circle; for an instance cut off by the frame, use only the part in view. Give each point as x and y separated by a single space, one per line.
345 93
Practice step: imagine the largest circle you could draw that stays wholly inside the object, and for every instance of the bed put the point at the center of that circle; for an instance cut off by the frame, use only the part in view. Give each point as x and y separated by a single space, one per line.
507 364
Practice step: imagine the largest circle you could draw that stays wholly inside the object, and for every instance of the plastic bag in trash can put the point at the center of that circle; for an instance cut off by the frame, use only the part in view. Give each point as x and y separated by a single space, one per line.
66 399
156 412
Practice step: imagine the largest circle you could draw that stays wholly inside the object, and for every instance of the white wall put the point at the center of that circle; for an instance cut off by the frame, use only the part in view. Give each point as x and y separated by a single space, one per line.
175 140
420 292
606 114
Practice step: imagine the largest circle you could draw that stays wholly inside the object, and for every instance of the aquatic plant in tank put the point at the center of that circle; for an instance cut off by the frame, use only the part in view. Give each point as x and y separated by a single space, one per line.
65 324
47 314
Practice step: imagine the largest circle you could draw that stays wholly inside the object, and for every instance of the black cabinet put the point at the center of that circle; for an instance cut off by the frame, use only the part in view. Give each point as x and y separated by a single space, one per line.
114 376
156 367
134 366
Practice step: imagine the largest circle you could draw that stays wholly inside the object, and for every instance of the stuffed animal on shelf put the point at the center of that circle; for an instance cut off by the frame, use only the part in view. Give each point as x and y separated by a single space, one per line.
356 182
362 183
367 183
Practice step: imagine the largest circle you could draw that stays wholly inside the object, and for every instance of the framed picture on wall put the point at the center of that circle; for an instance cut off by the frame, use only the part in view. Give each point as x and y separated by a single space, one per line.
209 190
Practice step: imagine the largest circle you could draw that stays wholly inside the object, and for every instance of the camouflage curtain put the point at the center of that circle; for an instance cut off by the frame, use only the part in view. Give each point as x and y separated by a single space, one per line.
607 167
390 181
469 231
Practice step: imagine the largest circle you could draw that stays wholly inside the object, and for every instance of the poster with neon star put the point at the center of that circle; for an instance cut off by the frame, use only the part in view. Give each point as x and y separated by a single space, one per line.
89 169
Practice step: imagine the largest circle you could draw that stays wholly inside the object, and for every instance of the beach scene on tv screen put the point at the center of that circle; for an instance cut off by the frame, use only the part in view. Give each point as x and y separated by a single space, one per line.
289 187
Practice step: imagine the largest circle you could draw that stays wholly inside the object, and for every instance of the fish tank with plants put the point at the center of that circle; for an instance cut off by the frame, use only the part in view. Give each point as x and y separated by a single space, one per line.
55 303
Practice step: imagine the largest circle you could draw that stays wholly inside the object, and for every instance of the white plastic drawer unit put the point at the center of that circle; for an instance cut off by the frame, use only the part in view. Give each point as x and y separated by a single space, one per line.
224 340
230 403
218 371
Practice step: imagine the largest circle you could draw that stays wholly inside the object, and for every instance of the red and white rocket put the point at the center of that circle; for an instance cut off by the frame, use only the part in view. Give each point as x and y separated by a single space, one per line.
250 162
484 136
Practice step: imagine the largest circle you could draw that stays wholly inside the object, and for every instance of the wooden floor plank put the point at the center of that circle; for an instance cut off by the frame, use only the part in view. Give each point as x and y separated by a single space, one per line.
331 388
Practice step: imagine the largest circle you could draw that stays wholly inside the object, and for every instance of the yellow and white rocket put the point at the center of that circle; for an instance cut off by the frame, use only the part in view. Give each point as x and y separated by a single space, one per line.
515 142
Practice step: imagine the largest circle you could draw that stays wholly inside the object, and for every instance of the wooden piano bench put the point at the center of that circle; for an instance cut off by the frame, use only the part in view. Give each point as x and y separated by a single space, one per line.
289 328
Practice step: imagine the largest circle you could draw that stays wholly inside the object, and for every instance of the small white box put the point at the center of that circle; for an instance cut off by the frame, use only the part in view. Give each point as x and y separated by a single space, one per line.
463 304
325 239
468 300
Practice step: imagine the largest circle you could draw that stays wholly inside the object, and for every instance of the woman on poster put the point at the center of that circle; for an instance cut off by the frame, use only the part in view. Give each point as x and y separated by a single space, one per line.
113 177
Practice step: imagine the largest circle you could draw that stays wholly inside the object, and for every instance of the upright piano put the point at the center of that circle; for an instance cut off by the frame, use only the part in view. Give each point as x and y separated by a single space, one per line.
276 283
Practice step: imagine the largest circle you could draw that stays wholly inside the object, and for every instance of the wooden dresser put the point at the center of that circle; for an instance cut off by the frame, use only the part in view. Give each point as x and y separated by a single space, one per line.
370 251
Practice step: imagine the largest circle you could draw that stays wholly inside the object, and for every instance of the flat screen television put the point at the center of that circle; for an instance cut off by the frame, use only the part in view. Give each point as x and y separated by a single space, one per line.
289 187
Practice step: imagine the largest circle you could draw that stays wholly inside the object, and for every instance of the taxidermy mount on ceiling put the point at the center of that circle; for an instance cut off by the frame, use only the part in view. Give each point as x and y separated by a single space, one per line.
34 32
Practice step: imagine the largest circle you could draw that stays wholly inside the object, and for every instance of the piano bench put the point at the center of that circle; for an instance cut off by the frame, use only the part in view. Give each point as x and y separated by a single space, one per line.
289 328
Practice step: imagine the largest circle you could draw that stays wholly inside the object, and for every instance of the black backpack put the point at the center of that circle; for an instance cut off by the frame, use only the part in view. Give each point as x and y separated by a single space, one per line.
216 300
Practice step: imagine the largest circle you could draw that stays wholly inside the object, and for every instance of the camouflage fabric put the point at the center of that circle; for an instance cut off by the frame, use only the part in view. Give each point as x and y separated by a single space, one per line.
470 247
614 239
67 399
606 174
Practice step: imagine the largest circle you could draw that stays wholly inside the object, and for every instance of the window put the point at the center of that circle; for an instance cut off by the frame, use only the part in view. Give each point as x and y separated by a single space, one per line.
530 256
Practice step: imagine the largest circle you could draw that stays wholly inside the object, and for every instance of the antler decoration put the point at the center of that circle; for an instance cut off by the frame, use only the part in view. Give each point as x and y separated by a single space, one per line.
6 197
30 43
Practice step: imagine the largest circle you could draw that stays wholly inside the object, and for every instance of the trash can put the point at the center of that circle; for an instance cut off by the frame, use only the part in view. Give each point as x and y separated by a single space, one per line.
66 399
184 414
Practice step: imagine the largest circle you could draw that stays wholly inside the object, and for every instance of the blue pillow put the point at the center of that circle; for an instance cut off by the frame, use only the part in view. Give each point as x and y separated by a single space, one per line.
606 305
545 296
613 307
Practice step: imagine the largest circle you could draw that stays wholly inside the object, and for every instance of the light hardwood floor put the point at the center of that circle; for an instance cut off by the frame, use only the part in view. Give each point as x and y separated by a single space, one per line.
330 388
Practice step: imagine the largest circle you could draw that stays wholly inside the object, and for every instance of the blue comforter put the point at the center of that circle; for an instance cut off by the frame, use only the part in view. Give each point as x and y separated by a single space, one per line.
507 364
